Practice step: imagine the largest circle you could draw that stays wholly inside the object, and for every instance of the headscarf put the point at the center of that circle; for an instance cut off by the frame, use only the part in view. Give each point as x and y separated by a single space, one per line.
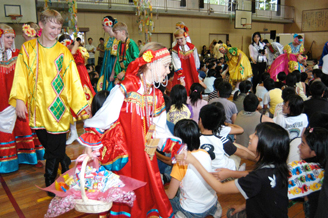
6 54
109 21
148 56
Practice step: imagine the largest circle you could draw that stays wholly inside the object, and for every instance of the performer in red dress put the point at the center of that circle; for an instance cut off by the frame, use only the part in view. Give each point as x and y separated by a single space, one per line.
185 62
17 145
133 118
80 55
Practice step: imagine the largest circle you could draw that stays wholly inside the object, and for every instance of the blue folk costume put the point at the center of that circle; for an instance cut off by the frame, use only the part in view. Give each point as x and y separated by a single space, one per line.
110 54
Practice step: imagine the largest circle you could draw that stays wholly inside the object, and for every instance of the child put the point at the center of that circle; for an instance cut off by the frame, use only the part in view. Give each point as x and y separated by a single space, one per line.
209 80
127 49
239 96
314 148
265 188
219 148
225 129
195 100
294 121
224 92
285 93
260 89
281 80
214 94
179 109
300 86
196 197
249 118
98 100
317 102
272 97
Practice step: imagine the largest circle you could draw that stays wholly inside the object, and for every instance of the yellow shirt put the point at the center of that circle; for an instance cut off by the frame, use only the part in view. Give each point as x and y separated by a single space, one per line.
47 80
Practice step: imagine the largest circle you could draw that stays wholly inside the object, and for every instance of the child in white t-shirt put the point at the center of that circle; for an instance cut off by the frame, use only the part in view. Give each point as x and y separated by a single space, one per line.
294 121
196 197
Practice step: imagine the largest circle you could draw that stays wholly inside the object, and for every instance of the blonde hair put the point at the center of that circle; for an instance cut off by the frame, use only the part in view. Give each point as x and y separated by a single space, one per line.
154 46
181 23
5 27
121 26
179 32
51 15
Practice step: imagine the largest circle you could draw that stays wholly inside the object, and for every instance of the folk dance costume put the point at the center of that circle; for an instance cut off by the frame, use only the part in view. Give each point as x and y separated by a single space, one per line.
20 146
128 51
110 55
132 114
239 71
292 49
286 63
47 80
274 50
185 61
186 29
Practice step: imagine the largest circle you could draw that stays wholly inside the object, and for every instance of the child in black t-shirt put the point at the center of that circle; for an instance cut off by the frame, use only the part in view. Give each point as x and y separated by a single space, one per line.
265 188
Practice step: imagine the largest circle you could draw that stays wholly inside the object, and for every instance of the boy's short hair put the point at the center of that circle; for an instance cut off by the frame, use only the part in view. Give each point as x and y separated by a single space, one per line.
317 72
101 38
282 76
120 26
295 104
304 77
287 92
224 89
51 15
217 82
78 39
188 131
251 102
317 88
90 38
265 76
210 115
291 80
269 84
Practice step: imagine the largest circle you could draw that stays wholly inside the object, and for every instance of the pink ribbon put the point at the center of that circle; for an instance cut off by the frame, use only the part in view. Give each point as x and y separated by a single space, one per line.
94 155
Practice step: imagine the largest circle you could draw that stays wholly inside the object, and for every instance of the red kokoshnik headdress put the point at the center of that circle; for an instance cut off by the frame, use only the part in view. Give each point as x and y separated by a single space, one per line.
148 56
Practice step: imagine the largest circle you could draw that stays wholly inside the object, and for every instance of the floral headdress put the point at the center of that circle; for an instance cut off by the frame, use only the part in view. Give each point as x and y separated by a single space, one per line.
148 56
179 33
29 31
181 26
109 21
67 42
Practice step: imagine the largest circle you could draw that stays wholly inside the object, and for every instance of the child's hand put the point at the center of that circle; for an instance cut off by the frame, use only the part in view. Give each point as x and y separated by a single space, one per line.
187 158
221 173
238 208
88 151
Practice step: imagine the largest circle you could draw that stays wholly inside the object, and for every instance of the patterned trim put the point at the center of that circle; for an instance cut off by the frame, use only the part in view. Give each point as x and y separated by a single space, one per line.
186 53
6 143
80 111
113 213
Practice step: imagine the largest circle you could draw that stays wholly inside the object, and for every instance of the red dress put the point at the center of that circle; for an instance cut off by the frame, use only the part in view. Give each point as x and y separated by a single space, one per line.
85 80
188 70
22 146
123 151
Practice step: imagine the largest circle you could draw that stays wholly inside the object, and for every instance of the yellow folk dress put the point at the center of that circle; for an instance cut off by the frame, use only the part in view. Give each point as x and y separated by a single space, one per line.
47 80
238 71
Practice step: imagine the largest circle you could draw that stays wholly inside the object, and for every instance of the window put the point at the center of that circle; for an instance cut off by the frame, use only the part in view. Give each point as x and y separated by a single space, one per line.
266 5
216 2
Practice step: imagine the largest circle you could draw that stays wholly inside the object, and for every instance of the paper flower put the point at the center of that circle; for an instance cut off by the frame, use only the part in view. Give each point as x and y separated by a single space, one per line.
147 56
108 22
1 32
28 30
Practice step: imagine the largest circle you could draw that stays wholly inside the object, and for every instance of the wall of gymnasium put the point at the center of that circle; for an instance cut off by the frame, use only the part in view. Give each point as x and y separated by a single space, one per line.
199 28
319 37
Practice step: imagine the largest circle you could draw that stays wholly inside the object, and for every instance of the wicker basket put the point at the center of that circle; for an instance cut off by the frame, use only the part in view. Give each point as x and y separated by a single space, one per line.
86 205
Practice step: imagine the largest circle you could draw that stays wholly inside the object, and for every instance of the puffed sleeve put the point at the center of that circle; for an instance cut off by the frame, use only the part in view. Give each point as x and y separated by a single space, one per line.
176 61
196 58
111 106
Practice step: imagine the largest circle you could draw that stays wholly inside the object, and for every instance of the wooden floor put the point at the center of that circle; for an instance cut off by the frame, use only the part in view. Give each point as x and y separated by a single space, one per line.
33 202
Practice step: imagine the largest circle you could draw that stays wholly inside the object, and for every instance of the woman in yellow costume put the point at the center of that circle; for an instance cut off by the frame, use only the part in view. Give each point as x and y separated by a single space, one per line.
238 64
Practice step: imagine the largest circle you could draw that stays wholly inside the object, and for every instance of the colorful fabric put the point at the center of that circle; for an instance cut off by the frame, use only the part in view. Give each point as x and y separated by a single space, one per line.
185 65
22 145
127 52
239 71
304 179
291 49
107 66
123 145
47 80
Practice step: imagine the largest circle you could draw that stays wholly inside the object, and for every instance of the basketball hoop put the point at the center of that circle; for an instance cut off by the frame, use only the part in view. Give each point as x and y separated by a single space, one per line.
15 18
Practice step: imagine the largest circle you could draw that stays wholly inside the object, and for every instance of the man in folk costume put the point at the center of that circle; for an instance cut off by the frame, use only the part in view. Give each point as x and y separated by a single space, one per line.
185 62
128 51
46 86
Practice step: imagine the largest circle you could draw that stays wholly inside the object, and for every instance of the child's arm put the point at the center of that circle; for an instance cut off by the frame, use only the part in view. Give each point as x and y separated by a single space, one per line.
233 118
75 48
224 173
226 188
173 188
235 129
164 159
244 152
